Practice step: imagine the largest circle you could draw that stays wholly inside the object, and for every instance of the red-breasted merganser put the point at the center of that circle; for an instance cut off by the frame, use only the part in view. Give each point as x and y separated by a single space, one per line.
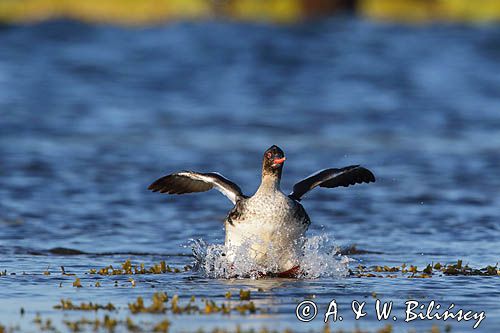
269 223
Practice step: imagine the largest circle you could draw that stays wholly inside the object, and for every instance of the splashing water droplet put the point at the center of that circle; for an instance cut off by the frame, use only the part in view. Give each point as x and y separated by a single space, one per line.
320 258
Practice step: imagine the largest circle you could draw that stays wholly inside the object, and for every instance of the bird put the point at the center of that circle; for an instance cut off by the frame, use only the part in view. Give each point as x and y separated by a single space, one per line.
268 227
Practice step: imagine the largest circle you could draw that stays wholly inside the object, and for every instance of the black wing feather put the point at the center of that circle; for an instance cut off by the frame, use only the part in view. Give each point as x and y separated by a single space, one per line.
190 182
330 178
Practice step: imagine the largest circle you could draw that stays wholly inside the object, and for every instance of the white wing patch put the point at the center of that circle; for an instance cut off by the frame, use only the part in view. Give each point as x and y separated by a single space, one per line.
227 191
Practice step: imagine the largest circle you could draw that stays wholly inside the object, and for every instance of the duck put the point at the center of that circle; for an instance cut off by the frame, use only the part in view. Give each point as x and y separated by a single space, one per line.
269 226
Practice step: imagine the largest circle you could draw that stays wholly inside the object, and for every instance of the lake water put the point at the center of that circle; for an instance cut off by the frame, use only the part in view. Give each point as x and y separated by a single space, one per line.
90 115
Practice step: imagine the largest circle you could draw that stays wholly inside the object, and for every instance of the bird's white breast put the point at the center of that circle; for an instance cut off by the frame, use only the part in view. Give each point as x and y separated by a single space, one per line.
270 231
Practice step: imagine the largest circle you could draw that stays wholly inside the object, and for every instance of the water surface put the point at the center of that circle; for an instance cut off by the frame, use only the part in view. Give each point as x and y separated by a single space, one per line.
91 115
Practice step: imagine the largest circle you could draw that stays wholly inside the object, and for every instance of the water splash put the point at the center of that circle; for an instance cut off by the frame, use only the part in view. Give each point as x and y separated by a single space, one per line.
320 258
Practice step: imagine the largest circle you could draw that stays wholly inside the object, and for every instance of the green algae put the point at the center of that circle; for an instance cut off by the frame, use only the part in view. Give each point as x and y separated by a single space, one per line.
429 271
111 324
244 294
68 305
128 269
43 325
107 323
159 304
77 283
162 326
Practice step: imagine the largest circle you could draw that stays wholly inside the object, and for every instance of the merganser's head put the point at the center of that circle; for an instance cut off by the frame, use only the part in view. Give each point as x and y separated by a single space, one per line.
274 159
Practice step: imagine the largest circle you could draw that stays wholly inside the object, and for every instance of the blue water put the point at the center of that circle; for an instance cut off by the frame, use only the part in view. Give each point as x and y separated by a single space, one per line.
90 115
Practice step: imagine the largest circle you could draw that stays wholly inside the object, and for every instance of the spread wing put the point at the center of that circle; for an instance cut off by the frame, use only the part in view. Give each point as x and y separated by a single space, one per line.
190 181
330 178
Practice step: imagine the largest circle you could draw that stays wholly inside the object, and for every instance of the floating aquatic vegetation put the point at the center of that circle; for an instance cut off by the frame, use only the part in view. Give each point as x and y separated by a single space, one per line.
226 308
363 271
178 309
429 271
160 305
246 307
111 324
107 323
157 306
75 326
162 326
43 325
175 304
244 294
459 269
68 305
128 269
131 326
77 283
38 319
386 269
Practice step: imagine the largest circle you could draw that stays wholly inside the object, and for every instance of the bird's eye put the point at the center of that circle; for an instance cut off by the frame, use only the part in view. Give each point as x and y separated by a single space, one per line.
268 155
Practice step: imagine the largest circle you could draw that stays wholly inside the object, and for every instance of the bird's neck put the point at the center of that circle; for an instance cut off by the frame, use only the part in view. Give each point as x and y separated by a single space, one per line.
269 183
